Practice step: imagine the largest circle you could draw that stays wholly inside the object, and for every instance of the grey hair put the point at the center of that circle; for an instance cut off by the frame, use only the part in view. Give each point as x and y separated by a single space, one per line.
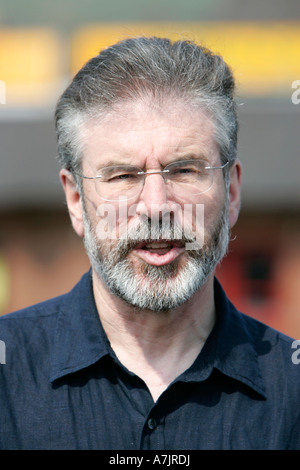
137 67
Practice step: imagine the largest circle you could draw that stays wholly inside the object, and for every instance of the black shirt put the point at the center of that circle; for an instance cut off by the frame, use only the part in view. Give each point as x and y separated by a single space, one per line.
62 386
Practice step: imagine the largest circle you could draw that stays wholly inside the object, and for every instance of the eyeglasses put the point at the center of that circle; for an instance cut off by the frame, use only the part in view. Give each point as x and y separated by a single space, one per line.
126 181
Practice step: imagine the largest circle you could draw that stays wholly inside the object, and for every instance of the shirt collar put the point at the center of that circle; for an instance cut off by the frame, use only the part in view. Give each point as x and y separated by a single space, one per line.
231 347
80 340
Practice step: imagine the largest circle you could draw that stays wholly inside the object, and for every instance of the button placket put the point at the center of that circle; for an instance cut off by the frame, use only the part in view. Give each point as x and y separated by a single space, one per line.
151 423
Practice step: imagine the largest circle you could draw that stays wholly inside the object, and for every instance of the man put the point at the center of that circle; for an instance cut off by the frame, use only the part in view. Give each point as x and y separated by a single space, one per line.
146 352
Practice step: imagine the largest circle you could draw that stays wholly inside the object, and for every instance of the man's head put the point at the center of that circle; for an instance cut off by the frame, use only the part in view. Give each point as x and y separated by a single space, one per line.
153 67
159 108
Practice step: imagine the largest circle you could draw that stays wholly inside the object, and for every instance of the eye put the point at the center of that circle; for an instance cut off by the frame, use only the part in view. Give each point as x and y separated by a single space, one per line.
122 176
189 171
119 174
185 170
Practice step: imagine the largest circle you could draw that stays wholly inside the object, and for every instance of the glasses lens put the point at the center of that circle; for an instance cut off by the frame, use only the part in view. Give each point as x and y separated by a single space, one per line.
117 182
191 176
126 182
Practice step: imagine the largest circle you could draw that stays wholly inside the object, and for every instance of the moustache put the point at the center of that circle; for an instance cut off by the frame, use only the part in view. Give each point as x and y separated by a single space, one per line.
147 232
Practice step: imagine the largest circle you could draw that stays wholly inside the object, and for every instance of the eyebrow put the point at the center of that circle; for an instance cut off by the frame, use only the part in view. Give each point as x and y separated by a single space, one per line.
185 157
112 163
190 156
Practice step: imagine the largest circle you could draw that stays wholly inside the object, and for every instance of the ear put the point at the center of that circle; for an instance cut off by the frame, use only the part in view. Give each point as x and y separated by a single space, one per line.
73 201
235 192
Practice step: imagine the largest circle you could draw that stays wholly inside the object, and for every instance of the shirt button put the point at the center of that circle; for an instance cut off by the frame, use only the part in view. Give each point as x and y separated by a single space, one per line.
151 423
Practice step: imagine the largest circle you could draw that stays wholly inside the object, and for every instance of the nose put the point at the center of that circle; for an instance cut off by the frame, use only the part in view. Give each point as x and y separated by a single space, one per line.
153 198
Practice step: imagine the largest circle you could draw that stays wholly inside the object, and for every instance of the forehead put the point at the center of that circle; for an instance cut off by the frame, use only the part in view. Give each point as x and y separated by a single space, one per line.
140 130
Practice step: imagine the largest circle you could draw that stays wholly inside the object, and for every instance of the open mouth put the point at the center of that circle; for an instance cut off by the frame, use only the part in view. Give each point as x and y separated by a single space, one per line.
160 247
159 252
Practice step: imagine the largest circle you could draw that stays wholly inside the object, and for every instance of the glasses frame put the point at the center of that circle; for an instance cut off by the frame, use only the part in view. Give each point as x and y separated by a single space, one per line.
151 172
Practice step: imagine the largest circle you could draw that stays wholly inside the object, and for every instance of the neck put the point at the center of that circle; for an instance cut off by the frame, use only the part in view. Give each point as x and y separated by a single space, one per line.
165 343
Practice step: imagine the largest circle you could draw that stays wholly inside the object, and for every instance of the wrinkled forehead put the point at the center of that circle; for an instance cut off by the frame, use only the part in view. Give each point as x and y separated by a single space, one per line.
148 127
149 108
146 117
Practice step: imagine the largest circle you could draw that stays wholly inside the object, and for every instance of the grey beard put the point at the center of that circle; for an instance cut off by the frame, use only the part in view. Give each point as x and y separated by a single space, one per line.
156 288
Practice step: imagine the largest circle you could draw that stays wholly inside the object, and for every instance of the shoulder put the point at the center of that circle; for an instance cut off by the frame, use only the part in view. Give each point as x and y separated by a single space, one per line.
27 338
29 332
21 327
37 311
46 311
267 343
278 355
265 338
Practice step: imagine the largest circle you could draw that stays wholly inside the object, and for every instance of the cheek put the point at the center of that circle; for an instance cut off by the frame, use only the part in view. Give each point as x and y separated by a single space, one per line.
104 218
213 212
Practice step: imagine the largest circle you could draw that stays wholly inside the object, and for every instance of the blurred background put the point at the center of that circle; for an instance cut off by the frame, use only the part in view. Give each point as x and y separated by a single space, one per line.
42 45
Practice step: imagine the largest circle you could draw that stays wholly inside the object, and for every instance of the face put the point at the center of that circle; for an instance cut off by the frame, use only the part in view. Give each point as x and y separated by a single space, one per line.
146 262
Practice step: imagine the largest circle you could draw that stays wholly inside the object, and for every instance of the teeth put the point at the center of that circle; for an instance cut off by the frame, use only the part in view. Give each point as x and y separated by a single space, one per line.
158 245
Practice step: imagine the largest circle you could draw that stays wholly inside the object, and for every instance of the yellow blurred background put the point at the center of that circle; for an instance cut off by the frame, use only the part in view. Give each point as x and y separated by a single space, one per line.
36 61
